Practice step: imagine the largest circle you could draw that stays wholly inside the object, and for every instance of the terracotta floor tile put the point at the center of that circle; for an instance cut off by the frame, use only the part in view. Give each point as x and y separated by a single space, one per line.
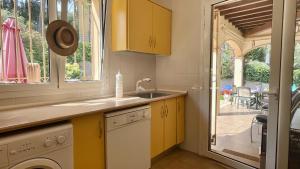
180 159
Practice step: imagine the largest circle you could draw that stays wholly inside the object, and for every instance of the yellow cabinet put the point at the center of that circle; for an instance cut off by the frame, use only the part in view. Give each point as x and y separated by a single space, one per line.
180 119
162 30
88 136
164 126
157 128
141 26
170 123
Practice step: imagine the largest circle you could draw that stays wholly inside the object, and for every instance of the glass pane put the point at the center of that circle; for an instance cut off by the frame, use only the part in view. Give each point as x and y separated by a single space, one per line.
294 149
24 55
84 64
240 73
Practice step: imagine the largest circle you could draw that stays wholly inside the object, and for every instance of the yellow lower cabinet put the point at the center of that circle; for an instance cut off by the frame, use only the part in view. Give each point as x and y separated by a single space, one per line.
88 133
180 119
170 123
157 128
167 124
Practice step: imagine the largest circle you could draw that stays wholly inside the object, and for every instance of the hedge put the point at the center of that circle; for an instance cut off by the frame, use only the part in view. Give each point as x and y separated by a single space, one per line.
257 71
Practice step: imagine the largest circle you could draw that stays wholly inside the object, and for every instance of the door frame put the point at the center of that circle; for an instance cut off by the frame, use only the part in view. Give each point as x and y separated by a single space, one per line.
276 50
286 80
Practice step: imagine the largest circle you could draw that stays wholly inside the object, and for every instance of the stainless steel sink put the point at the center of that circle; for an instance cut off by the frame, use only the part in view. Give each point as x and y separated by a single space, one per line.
150 95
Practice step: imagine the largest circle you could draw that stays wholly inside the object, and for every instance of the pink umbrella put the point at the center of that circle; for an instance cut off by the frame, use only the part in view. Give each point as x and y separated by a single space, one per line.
14 59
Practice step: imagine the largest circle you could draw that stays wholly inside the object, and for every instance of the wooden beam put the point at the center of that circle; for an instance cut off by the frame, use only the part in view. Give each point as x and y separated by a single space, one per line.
266 13
236 4
253 20
251 25
249 12
247 7
258 29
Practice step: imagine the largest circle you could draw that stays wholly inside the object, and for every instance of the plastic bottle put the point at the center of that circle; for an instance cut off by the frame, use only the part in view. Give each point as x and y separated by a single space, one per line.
119 85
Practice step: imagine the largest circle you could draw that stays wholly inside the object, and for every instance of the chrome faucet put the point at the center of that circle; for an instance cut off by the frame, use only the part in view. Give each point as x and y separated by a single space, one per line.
139 88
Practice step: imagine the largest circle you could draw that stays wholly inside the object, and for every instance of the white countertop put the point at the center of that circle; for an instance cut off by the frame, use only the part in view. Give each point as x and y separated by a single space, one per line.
28 117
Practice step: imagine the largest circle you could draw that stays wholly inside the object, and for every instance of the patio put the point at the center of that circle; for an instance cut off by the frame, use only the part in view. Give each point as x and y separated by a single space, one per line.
233 133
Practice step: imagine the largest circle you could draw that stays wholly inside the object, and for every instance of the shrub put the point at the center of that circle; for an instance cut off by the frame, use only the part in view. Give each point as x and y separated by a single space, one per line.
296 77
72 71
257 71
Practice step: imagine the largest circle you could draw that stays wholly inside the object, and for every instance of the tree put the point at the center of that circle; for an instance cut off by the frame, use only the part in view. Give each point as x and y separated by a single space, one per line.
257 54
227 62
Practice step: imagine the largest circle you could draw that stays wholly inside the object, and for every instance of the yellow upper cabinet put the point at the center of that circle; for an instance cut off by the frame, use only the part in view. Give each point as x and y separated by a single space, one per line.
141 26
161 30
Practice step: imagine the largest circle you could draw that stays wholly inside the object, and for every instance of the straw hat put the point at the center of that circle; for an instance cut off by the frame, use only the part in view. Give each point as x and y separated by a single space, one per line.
62 38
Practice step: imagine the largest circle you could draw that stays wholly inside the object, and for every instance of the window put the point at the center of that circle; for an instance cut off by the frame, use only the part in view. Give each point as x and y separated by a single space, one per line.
24 52
84 64
25 57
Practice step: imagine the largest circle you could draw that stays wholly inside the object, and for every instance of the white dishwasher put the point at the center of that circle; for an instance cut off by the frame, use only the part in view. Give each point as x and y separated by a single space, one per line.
128 139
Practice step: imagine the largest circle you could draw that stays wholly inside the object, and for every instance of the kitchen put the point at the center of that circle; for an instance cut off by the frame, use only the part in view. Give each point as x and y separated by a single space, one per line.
154 56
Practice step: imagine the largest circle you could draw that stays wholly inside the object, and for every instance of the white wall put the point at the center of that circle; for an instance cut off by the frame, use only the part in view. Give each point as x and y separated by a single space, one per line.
133 66
182 70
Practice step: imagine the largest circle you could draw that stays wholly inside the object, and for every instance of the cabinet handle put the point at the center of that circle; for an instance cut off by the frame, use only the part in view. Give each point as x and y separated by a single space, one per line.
178 106
100 129
154 45
162 112
167 111
150 42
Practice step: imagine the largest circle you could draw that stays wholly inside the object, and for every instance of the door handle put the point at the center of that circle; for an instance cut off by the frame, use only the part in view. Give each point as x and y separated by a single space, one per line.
272 93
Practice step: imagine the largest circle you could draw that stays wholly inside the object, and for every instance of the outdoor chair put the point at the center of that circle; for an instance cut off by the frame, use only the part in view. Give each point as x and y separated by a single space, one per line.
244 95
260 119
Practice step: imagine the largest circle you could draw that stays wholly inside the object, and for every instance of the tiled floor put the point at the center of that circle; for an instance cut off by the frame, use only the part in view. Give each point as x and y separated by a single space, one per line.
233 132
179 159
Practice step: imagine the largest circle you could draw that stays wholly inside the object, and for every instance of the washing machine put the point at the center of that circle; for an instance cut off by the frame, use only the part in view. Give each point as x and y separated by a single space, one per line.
46 148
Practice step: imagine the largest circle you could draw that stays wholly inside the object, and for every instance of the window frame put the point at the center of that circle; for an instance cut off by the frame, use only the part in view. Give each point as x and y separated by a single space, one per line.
57 69
63 84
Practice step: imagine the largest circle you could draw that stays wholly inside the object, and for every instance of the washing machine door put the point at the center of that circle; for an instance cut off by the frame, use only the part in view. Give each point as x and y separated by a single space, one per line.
38 163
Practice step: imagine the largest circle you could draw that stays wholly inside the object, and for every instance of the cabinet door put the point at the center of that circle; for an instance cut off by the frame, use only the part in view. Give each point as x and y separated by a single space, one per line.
157 128
89 142
162 30
140 26
180 119
170 123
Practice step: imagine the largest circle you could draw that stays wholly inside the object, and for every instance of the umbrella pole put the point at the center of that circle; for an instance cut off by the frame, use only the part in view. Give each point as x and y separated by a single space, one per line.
1 46
17 42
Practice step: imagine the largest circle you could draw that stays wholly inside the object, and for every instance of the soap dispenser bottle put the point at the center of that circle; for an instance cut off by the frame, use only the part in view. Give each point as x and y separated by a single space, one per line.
119 85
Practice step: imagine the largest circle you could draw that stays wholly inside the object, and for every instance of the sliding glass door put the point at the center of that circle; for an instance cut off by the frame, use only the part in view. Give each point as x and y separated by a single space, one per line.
245 59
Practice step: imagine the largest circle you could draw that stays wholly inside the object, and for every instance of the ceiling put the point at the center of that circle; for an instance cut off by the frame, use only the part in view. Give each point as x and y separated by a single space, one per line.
249 16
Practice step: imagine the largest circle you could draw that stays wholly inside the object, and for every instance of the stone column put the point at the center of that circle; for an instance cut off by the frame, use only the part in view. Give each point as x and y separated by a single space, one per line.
238 71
